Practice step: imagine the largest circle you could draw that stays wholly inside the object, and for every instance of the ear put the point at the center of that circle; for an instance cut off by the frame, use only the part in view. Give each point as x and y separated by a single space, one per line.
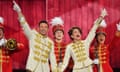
71 36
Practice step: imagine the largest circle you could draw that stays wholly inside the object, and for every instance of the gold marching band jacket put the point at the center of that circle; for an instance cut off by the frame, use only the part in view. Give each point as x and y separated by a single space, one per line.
40 50
5 60
7 48
101 51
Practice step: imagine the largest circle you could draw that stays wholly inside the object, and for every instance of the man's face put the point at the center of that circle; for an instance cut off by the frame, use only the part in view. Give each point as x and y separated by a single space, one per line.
101 38
43 29
59 35
1 33
76 35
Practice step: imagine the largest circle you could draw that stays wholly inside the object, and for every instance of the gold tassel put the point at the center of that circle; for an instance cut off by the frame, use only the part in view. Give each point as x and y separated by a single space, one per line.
100 65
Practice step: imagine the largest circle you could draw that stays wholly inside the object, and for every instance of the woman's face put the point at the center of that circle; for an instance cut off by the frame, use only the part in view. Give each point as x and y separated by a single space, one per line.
76 35
101 38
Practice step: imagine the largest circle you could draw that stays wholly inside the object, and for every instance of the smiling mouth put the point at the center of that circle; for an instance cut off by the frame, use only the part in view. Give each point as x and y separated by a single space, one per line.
43 30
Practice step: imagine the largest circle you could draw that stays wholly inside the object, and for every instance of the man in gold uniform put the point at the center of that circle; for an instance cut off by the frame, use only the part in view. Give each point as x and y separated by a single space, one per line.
40 45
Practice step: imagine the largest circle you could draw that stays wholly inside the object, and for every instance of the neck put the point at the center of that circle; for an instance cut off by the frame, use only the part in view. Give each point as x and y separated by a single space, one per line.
44 35
75 40
58 40
100 43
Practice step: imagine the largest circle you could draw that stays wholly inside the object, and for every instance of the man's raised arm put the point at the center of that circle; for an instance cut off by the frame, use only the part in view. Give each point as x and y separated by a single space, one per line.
22 20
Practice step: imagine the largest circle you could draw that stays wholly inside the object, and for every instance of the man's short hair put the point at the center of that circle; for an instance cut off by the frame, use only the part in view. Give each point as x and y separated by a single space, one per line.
43 21
71 31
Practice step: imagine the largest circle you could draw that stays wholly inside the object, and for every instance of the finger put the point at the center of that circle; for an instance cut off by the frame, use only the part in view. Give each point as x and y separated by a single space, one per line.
14 2
104 11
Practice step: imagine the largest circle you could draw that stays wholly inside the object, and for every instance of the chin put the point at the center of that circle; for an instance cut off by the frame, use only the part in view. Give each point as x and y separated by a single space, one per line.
102 42
44 34
78 38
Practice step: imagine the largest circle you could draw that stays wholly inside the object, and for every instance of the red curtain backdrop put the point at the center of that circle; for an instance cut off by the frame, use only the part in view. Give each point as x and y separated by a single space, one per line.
81 13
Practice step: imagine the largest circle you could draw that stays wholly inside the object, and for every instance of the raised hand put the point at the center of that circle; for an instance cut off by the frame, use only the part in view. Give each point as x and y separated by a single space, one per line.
103 13
16 7
103 24
118 26
100 19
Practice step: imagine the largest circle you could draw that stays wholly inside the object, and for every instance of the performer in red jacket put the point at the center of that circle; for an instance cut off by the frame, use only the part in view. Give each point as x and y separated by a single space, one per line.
59 44
115 50
7 47
100 52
